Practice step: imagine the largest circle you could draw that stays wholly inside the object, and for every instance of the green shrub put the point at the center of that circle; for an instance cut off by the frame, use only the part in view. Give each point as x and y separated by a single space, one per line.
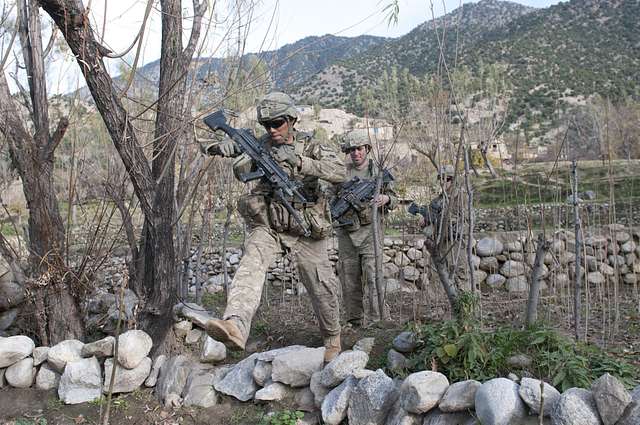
465 352
285 417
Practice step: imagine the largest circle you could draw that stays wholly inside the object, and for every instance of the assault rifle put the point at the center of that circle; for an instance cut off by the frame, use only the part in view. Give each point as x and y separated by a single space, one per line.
429 213
266 167
354 194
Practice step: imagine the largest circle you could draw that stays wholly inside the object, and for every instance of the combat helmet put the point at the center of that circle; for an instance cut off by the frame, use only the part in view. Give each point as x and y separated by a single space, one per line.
354 139
446 171
276 105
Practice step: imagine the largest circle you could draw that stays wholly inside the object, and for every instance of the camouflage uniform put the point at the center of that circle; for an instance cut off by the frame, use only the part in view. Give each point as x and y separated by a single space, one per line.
443 223
356 266
272 230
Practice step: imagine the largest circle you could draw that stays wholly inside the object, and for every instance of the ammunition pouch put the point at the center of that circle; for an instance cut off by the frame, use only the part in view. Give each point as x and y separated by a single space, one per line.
253 209
365 215
315 215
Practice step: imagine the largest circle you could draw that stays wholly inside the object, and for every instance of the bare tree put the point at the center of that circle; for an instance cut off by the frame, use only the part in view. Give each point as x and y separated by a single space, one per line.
152 180
32 147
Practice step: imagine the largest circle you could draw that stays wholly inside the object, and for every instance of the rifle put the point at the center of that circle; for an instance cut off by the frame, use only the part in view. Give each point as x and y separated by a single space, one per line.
430 213
266 167
354 194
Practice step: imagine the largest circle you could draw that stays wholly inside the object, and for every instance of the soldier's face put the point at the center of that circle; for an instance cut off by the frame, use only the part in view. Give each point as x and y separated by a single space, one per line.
358 155
278 130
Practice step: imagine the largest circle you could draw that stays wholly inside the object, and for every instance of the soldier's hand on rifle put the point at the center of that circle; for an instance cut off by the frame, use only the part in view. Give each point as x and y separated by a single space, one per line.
422 222
287 153
227 147
381 200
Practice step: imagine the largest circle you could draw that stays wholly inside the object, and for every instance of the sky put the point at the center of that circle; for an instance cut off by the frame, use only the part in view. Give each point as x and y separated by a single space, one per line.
273 24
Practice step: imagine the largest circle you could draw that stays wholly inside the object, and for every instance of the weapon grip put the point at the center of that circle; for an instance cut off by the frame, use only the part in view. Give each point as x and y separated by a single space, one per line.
292 211
253 175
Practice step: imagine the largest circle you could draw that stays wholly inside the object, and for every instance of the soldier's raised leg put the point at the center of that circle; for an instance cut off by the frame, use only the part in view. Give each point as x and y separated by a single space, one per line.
245 290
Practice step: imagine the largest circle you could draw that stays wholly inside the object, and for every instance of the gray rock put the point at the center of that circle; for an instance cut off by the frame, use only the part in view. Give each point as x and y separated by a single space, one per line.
262 372
488 247
295 368
517 284
479 276
199 391
268 356
133 347
335 404
611 398
319 391
47 378
198 315
7 318
152 379
342 366
520 361
101 348
631 415
405 342
628 247
530 393
193 336
81 381
399 416
40 355
172 379
513 246
513 377
489 264
11 295
498 403
421 391
365 344
512 268
459 396
182 328
15 348
21 373
212 351
2 383
396 360
495 281
436 417
595 278
63 352
304 400
126 380
238 382
274 391
576 406
635 394
371 399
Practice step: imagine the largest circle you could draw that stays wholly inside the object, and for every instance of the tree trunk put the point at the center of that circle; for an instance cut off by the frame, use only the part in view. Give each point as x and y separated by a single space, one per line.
534 288
377 251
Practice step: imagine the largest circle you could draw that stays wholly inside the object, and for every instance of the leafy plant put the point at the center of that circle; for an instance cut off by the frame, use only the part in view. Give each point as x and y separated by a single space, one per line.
285 417
462 351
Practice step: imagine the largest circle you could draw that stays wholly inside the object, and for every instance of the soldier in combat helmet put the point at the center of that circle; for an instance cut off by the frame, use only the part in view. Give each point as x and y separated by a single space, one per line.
272 229
356 266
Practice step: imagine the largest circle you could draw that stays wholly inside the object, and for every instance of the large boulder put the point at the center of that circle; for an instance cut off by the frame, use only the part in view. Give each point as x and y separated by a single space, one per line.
81 381
336 402
7 318
488 247
319 391
576 406
495 281
238 382
421 391
371 399
517 284
631 415
21 373
152 379
399 416
611 398
212 351
342 366
274 391
172 378
295 368
11 295
133 347
497 402
40 355
15 348
199 390
437 417
126 380
530 393
459 396
262 372
63 352
512 268
405 342
100 348
47 378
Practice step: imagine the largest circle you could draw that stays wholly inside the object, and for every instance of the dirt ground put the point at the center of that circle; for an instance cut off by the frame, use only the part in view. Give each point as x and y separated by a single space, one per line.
285 319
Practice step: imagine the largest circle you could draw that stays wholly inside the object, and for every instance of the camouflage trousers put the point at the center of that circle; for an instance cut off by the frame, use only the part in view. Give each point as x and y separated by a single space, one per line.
314 269
357 272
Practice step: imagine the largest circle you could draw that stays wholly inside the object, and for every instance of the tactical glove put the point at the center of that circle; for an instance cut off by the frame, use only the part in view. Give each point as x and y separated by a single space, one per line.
226 148
287 153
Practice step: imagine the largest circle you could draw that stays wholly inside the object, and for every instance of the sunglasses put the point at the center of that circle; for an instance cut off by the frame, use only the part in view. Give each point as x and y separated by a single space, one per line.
274 124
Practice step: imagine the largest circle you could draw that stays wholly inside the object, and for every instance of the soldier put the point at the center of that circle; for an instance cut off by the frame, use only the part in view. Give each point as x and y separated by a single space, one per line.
442 225
356 266
272 230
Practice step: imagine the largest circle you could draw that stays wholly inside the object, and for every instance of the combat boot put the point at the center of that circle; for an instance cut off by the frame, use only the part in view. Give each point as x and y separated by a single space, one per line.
331 347
227 332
